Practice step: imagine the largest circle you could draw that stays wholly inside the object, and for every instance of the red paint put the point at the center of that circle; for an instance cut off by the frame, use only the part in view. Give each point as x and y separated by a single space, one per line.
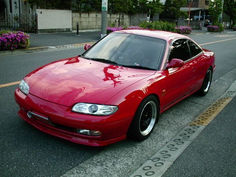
56 87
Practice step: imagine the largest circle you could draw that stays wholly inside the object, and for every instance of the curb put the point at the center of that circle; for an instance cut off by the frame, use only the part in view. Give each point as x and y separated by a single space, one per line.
47 48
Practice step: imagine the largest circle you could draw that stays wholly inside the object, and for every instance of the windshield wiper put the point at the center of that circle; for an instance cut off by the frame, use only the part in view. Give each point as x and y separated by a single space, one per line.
138 67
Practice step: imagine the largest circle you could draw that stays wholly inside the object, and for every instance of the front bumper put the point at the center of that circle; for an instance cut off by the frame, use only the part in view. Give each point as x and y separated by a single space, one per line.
60 121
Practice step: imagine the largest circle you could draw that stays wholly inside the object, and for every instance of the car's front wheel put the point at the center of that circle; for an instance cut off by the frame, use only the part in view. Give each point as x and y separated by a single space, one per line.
206 83
145 119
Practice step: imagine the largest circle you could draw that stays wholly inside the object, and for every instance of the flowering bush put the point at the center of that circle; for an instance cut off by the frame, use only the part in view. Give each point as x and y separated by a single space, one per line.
215 28
13 40
183 29
158 25
212 28
112 29
134 27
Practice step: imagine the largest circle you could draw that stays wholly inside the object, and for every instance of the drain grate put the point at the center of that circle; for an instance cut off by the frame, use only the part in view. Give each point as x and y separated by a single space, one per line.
230 94
164 158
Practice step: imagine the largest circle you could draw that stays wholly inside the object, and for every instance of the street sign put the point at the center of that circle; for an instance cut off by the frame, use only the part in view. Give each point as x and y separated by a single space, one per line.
104 5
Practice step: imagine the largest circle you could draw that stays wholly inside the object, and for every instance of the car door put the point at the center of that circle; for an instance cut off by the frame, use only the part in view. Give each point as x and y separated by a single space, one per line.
178 80
198 65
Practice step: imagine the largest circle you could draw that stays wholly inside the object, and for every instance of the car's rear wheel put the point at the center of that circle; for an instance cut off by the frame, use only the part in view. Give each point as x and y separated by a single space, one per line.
206 83
145 119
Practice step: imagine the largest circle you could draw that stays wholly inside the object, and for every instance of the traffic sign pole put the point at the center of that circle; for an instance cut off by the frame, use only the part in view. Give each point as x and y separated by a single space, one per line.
104 18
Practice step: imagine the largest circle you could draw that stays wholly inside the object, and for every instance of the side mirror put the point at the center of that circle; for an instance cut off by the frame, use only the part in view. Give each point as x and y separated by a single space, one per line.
175 63
87 46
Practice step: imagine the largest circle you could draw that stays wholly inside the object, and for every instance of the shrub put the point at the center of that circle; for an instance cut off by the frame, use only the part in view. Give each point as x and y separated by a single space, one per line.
234 28
134 27
146 25
212 28
215 28
4 31
13 40
112 29
221 27
158 25
183 29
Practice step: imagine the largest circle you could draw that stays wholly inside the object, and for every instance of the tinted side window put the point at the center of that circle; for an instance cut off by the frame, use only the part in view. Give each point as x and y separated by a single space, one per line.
194 49
180 50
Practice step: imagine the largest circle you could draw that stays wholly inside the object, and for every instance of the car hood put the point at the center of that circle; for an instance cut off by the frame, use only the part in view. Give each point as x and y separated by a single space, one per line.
73 80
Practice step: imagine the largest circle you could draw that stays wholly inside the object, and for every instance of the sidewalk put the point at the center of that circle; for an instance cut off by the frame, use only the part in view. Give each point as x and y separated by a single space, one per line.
56 39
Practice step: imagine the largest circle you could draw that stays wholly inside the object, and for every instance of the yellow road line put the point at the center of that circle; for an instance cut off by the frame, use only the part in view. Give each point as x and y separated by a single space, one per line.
9 84
211 112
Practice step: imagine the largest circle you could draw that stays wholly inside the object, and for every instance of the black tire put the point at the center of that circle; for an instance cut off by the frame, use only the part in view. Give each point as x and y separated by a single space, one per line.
206 83
145 119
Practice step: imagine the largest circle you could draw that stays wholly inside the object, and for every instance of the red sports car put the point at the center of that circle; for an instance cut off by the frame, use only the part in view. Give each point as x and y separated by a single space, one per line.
116 88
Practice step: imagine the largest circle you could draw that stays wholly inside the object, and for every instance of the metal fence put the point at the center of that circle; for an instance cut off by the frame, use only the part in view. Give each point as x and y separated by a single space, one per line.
26 23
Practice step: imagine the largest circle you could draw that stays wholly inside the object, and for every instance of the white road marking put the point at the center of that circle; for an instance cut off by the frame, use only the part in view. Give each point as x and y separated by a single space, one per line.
214 42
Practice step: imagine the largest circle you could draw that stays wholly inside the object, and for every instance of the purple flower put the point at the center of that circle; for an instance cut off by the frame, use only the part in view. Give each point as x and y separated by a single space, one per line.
213 28
112 29
134 27
183 29
13 40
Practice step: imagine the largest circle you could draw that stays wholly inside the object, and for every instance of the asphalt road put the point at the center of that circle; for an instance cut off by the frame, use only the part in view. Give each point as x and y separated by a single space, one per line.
51 39
26 151
213 153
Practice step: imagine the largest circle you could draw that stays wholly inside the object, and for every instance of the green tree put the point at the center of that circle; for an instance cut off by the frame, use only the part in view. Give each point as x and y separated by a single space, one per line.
172 9
114 6
51 4
85 5
230 10
155 7
215 9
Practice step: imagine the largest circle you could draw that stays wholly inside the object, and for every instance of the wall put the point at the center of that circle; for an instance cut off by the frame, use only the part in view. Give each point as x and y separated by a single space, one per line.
54 20
92 21
136 19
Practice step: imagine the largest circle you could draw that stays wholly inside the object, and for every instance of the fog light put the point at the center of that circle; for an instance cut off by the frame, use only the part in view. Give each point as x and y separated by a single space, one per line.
89 132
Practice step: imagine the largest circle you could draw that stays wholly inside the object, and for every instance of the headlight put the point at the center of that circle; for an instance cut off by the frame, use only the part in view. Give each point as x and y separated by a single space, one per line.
94 109
24 87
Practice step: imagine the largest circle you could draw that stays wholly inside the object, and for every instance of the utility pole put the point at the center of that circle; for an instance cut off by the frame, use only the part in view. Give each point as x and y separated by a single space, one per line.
189 11
104 18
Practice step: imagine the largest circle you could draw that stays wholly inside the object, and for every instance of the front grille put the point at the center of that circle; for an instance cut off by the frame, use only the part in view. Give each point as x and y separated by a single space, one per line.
62 127
46 120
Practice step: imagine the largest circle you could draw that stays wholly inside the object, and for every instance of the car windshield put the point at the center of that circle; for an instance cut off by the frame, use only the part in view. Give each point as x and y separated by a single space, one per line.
128 50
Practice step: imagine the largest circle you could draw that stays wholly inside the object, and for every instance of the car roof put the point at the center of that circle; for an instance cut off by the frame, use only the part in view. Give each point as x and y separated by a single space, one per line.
155 33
